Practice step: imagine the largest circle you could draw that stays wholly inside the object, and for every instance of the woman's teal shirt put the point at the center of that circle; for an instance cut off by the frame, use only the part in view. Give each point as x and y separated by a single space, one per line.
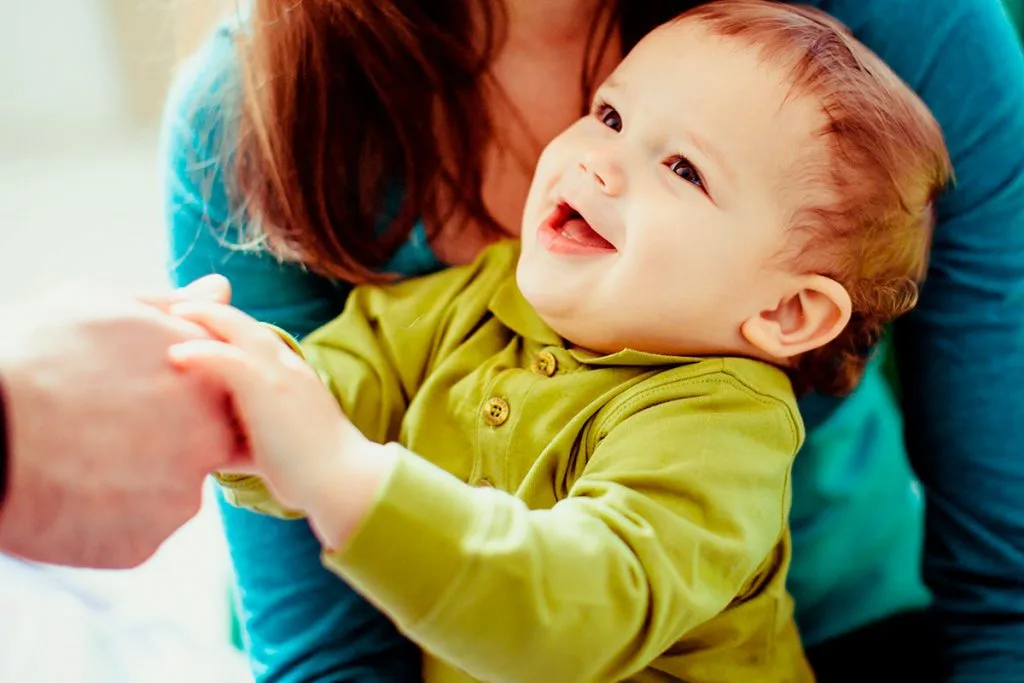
886 500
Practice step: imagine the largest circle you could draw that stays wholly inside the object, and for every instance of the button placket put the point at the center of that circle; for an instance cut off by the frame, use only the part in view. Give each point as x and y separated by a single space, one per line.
495 429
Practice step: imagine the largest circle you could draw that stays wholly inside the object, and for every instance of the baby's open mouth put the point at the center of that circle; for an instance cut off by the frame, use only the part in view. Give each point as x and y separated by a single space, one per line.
569 224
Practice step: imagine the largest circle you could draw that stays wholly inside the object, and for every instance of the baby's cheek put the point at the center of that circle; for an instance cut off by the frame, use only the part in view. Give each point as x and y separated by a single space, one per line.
549 166
564 150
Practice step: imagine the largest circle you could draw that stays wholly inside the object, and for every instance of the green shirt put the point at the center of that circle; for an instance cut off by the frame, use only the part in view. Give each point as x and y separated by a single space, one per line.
858 515
628 518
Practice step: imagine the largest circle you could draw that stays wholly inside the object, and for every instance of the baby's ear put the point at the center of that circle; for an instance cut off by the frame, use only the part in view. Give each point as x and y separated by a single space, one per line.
812 315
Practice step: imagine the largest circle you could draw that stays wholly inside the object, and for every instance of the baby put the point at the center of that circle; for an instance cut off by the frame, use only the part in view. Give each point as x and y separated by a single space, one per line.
571 460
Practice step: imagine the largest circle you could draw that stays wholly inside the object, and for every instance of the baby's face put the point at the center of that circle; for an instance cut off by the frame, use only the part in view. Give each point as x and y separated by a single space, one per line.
656 223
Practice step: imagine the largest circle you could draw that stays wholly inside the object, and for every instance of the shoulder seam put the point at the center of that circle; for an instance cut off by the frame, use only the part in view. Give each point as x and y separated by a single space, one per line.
713 375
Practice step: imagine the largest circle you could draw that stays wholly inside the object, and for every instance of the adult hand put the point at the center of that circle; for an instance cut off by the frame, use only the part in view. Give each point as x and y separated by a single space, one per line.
109 444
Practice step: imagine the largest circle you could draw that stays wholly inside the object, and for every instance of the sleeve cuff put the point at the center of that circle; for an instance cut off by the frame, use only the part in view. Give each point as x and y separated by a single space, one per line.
251 493
420 512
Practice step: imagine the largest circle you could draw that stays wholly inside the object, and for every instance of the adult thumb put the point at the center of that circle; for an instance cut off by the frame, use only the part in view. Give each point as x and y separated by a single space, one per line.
214 288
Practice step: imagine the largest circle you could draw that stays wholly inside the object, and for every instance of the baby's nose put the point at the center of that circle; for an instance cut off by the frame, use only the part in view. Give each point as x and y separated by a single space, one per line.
604 170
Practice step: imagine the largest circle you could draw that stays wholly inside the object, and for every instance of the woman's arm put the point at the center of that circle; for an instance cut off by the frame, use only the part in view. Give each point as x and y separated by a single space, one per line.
302 623
961 354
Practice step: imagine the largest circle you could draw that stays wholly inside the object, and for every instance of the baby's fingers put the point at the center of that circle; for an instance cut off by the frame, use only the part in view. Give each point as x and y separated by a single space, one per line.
223 364
214 288
233 326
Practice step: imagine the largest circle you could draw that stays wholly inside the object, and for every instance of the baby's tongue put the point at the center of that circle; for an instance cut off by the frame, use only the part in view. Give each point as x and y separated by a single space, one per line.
578 230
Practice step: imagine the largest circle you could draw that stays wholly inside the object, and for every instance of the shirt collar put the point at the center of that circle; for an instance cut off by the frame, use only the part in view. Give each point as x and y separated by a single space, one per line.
513 310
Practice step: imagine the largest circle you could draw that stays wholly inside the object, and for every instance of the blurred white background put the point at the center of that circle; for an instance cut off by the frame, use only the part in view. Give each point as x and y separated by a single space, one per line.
81 87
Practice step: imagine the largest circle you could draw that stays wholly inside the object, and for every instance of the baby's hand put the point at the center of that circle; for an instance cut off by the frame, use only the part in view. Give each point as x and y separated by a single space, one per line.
296 433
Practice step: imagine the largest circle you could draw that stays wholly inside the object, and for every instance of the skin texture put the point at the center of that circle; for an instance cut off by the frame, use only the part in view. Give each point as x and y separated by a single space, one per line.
108 443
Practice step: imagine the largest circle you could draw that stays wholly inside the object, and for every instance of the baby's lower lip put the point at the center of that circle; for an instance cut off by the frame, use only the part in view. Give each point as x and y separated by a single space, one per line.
565 232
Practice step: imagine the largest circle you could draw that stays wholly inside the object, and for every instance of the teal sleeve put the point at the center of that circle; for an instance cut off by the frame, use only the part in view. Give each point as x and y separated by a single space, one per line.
960 355
301 622
960 358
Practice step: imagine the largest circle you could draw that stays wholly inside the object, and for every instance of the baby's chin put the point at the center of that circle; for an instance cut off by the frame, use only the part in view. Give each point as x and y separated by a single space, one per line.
602 336
582 332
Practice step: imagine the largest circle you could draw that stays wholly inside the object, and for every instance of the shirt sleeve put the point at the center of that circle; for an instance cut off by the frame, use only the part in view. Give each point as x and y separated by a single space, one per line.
960 355
678 508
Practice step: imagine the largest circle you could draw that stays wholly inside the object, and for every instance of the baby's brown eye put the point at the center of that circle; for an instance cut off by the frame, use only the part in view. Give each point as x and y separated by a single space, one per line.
611 118
687 171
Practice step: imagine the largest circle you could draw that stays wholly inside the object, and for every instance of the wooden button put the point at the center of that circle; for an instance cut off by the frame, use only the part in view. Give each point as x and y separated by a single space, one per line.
484 483
545 364
496 411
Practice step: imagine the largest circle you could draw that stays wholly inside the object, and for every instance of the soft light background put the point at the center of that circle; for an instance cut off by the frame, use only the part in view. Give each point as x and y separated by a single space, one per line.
82 83
81 86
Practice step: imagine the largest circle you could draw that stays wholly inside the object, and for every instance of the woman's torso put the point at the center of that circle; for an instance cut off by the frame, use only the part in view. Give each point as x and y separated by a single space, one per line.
857 513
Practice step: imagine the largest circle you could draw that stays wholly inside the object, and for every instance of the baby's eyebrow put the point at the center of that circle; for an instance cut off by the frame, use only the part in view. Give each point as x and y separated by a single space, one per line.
611 83
708 150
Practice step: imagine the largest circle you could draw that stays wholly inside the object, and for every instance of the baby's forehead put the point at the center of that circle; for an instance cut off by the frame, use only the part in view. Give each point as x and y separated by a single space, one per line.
687 60
684 73
683 82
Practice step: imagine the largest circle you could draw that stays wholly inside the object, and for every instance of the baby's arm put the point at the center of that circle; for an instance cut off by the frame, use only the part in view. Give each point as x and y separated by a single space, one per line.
674 518
369 361
677 509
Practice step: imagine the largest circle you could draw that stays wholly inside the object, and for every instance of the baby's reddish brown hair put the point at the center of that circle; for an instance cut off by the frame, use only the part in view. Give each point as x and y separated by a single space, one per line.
868 219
